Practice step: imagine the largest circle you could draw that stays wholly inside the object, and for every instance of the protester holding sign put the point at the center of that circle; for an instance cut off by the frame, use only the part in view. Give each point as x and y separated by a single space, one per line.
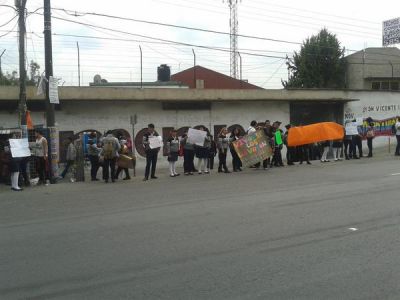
203 151
277 158
223 145
188 155
14 165
151 152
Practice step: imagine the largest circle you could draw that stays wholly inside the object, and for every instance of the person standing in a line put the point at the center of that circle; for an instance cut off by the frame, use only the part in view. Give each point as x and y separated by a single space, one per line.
358 142
236 162
397 128
151 153
277 158
40 156
109 153
326 145
223 145
304 151
290 151
93 153
213 153
70 157
337 146
124 150
268 131
203 153
173 152
14 165
370 136
188 155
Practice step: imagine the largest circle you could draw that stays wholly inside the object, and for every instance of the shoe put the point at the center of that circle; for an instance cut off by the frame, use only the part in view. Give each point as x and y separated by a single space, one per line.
145 179
207 172
153 177
301 163
219 171
17 190
186 174
335 159
194 170
200 173
177 174
95 179
227 171
234 170
290 164
172 175
127 178
190 173
308 163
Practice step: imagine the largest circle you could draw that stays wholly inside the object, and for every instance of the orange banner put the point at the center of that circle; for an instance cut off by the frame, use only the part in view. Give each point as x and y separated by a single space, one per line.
314 133
29 120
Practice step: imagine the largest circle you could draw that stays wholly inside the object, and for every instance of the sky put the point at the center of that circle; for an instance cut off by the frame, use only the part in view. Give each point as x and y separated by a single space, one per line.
110 47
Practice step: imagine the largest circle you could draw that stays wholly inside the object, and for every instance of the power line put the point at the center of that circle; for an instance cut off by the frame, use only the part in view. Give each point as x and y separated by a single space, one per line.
176 26
159 39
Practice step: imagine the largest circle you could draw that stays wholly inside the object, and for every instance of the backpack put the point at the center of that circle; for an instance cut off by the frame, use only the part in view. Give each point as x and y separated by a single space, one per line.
108 149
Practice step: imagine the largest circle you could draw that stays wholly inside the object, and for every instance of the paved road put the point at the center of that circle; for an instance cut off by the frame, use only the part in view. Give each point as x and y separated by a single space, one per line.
278 234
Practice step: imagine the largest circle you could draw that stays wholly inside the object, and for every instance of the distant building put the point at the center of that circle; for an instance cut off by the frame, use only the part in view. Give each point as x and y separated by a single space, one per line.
203 78
374 69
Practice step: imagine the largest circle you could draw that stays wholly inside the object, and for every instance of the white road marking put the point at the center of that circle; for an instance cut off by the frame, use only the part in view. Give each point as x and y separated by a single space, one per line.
353 229
395 174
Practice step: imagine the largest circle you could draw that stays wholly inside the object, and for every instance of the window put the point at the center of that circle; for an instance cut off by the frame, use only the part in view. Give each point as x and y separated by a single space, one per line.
394 85
376 85
385 85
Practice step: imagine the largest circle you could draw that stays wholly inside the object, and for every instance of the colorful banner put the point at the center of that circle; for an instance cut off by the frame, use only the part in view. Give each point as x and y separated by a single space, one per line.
304 135
253 148
381 127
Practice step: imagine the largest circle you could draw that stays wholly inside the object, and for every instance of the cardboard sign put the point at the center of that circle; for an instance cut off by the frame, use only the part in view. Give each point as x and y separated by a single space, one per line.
155 142
196 137
19 148
253 148
351 128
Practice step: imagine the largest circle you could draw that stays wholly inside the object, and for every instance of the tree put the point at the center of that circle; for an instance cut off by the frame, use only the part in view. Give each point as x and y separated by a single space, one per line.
319 64
12 79
34 73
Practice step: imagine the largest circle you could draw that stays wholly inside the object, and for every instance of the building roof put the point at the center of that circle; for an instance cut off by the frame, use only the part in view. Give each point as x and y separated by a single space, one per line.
155 84
11 94
211 79
376 55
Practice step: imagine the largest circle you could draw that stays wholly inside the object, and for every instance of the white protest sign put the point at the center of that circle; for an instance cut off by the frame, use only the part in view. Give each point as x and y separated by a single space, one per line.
359 121
196 137
155 142
53 90
351 128
19 148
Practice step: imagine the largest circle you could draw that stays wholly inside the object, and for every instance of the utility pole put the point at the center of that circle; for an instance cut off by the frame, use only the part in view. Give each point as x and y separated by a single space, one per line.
1 55
141 67
79 65
50 118
194 69
22 68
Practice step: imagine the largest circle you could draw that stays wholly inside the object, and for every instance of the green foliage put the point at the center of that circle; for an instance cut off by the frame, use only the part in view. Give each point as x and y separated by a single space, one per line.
11 79
319 64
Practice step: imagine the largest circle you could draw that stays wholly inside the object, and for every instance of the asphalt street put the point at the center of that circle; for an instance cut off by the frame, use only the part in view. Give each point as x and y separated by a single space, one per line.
325 231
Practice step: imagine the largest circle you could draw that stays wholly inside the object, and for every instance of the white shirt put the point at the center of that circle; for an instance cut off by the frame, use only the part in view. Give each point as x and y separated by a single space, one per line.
251 129
397 125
